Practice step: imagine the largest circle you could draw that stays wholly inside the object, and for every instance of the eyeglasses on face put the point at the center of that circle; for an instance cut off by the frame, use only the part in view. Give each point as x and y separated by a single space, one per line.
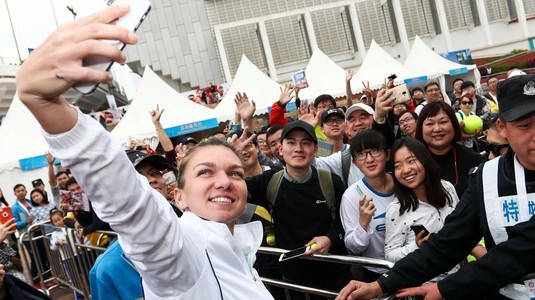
467 102
406 120
332 121
373 152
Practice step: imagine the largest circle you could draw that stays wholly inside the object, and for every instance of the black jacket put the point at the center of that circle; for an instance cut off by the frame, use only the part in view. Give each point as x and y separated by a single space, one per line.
505 263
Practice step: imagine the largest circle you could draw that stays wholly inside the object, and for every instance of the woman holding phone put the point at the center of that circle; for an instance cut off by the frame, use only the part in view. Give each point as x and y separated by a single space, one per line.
364 203
202 255
421 198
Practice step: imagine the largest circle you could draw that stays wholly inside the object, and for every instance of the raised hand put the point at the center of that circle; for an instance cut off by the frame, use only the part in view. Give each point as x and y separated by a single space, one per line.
244 107
366 210
286 94
156 114
7 228
349 75
383 104
241 142
305 114
49 158
368 92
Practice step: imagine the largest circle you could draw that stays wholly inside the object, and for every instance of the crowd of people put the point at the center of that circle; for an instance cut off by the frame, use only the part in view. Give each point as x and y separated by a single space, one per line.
400 183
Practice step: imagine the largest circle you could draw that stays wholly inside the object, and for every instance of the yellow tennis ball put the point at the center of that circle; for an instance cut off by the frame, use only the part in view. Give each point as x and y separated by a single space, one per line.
270 239
472 124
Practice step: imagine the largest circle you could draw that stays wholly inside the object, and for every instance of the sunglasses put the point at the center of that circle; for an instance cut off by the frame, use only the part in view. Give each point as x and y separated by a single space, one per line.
467 102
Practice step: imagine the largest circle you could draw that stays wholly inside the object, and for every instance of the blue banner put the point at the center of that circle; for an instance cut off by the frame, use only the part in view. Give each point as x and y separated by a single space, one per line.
416 80
191 127
289 107
35 162
31 163
462 70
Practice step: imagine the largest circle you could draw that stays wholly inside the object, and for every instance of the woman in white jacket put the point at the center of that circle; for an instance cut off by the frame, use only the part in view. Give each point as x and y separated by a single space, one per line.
421 198
202 255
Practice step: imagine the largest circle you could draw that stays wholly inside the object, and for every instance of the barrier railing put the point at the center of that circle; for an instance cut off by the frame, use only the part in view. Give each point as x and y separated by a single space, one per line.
70 264
332 258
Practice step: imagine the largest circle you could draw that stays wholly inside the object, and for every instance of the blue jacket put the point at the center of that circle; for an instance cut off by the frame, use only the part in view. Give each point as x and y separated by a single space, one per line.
18 210
113 276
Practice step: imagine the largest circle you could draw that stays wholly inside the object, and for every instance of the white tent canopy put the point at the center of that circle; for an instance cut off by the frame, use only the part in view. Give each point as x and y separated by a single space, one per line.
137 122
324 76
378 65
20 134
423 59
257 85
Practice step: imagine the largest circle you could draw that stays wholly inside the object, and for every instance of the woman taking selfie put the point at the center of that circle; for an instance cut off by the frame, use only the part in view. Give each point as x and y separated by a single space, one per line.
202 255
438 129
422 198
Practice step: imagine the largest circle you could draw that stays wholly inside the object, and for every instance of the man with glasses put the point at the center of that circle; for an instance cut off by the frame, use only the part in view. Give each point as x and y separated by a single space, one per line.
333 125
491 93
432 94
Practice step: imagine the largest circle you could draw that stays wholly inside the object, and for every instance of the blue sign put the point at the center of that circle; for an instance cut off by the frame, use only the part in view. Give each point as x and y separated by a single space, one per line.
35 162
191 127
31 163
463 56
289 107
462 70
416 80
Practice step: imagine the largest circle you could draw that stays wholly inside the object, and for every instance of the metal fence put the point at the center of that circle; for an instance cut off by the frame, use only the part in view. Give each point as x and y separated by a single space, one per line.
70 264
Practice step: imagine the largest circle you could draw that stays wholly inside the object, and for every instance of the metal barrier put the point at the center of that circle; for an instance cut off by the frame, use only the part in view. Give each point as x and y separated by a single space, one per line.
70 264
333 258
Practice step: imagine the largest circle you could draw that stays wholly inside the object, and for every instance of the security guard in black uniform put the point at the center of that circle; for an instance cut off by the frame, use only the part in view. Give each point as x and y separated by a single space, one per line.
498 205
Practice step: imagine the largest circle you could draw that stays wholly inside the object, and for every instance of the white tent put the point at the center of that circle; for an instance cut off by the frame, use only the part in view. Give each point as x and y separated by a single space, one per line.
257 85
378 65
324 76
423 59
179 111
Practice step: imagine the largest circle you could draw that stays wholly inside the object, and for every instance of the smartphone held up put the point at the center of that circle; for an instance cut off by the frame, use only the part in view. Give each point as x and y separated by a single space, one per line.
131 21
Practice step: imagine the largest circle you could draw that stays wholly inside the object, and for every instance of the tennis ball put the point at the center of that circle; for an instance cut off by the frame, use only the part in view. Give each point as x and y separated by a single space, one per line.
313 245
472 124
270 239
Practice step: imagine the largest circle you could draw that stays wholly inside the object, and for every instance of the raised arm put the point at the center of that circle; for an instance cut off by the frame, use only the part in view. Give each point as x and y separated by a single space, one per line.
349 93
156 114
245 109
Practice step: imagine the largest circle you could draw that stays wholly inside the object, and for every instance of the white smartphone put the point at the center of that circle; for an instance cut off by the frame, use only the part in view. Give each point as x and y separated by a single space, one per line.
131 21
296 252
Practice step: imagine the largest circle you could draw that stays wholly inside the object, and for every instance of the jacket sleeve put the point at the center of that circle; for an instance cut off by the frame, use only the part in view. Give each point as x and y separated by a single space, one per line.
505 263
276 117
356 238
16 210
443 250
397 245
123 198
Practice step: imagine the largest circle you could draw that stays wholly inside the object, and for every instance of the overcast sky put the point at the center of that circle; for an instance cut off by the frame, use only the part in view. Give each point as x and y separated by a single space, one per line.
32 21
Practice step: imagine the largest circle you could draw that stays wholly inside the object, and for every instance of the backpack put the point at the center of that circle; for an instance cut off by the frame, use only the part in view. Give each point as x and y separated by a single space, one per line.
326 185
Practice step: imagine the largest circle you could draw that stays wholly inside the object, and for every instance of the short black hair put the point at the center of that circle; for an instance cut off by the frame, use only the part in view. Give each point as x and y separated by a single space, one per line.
415 90
322 98
368 139
18 185
69 182
455 80
467 84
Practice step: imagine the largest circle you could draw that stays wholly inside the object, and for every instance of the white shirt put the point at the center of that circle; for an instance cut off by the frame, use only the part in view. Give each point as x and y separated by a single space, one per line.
333 163
186 258
371 242
399 238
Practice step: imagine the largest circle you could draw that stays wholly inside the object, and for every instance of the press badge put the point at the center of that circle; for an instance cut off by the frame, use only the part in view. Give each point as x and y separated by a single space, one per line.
515 210
529 281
